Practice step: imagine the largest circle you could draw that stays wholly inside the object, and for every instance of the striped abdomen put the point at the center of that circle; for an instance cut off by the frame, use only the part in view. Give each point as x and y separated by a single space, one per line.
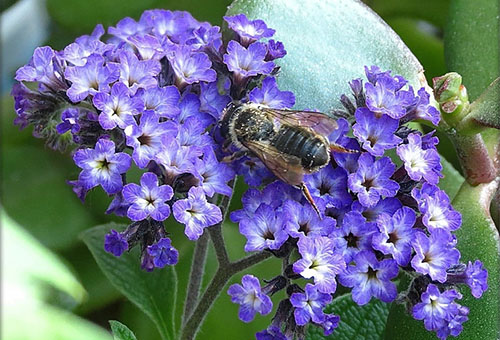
308 147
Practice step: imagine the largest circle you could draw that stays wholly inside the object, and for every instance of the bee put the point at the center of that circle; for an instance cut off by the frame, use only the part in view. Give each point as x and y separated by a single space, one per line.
290 143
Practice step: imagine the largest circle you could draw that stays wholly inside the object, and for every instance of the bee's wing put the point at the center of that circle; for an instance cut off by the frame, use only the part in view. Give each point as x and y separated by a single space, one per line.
285 167
316 121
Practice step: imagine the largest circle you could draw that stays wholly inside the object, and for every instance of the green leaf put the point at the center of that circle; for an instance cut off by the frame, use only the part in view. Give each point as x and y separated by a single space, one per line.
477 239
356 322
154 293
29 272
472 43
328 43
120 331
485 110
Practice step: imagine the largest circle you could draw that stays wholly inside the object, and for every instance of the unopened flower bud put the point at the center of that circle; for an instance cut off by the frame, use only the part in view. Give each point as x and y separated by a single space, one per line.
451 96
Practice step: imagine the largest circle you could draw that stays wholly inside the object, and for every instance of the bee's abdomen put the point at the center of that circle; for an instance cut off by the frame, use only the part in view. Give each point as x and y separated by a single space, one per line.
298 142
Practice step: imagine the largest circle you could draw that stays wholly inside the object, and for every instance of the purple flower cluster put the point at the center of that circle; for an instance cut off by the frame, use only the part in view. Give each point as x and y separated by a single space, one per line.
151 97
376 218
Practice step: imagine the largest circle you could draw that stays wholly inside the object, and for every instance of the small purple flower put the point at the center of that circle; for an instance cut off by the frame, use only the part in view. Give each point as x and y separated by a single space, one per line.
77 52
102 166
252 170
384 97
92 78
173 159
148 199
304 221
375 132
331 185
117 108
353 236
190 67
190 107
135 73
161 100
196 213
205 37
437 212
69 119
454 326
309 305
249 31
42 68
265 230
436 308
275 50
476 278
213 174
245 62
148 46
423 110
420 163
319 262
370 277
395 235
163 253
270 95
212 102
115 243
331 322
128 27
434 255
371 180
387 205
250 298
146 138
271 333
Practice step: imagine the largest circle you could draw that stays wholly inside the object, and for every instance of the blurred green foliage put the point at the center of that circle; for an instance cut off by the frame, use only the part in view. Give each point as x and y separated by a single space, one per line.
35 195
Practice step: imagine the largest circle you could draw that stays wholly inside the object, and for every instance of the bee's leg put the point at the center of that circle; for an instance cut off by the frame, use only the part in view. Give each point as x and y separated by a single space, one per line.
226 144
308 196
234 156
339 148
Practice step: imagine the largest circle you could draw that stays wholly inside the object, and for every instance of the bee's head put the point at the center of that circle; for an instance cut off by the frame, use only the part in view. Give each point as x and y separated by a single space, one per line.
226 117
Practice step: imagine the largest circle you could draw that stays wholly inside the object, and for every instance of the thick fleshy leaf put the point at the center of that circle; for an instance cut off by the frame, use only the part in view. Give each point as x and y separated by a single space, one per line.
120 331
477 239
472 43
356 322
485 110
328 43
154 293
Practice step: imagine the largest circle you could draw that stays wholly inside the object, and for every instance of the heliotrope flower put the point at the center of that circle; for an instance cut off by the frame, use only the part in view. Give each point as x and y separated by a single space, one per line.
102 166
372 180
395 234
266 229
476 278
386 98
319 261
115 243
247 62
163 253
190 67
213 174
270 95
196 213
43 69
354 235
250 298
146 138
376 132
370 277
420 163
275 50
387 205
436 307
91 78
433 254
437 212
135 73
248 30
69 119
211 101
148 199
330 184
161 100
309 305
117 108
304 221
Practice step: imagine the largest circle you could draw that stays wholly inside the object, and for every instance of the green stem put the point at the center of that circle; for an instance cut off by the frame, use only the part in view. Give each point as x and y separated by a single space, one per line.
195 276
